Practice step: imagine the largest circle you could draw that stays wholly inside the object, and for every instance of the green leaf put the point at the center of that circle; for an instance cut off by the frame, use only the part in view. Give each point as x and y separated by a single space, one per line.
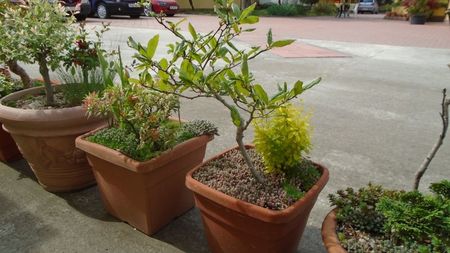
298 87
312 83
240 89
151 46
261 93
281 43
236 10
163 63
235 28
249 30
247 11
192 31
244 66
250 20
269 37
235 116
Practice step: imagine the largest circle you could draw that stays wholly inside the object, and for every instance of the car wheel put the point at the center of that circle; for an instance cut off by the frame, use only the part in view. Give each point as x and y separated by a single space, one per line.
170 15
102 11
135 16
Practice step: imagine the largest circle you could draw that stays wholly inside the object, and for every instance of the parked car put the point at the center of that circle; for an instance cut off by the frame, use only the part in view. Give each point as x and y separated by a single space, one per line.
80 9
168 7
106 8
368 6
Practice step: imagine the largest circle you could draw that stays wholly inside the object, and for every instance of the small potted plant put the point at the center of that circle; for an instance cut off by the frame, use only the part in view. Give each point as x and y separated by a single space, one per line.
42 120
374 219
140 160
250 201
418 10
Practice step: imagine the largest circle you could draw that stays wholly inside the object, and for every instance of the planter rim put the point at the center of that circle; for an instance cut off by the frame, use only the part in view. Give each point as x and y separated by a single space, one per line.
329 236
36 115
258 212
129 163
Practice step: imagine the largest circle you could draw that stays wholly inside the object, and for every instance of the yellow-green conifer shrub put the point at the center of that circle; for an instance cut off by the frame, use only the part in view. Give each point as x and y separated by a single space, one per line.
282 138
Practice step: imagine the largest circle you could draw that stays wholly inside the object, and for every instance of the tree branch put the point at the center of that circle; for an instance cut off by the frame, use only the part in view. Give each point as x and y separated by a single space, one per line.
445 118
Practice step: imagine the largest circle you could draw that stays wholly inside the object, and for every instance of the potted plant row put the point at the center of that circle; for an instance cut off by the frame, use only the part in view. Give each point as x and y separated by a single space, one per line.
140 160
44 121
375 219
252 198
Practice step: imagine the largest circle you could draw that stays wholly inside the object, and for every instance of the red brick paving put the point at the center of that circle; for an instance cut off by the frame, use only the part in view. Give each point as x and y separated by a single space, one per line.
361 29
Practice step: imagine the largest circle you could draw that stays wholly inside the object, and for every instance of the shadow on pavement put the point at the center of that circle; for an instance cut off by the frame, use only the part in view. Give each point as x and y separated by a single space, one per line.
21 231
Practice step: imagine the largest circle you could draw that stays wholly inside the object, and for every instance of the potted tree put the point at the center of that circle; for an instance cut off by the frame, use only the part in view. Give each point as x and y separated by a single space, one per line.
250 201
373 219
41 121
141 159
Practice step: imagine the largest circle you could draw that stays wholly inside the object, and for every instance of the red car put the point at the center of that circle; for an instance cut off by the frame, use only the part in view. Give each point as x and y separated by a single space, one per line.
168 7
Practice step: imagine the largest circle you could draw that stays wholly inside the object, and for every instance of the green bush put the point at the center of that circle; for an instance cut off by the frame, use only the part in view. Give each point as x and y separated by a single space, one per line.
323 9
282 10
282 138
8 85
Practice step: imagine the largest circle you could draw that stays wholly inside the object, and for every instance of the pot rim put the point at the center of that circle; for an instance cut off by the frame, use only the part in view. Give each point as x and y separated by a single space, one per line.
329 236
120 159
249 209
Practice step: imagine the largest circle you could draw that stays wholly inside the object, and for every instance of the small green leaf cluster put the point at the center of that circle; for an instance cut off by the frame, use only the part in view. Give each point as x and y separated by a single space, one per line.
415 217
196 128
358 208
8 85
282 138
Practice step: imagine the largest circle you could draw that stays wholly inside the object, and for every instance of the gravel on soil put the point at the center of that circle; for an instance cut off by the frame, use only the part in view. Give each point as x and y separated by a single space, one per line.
231 175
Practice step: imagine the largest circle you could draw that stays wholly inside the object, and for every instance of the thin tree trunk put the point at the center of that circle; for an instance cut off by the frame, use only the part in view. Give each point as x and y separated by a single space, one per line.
424 166
43 69
239 139
18 70
191 4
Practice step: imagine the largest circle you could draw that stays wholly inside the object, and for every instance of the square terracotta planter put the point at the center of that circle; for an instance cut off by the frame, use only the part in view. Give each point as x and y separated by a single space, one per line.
147 195
8 148
232 225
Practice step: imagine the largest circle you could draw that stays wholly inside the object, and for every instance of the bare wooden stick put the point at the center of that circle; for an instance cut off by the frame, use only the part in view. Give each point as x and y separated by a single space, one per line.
427 161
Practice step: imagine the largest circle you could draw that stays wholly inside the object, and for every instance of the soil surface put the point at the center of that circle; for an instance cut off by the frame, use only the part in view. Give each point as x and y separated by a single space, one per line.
231 175
38 102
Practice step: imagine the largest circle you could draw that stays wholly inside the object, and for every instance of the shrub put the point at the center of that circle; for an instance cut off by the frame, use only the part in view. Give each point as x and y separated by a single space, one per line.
8 85
282 10
282 138
323 9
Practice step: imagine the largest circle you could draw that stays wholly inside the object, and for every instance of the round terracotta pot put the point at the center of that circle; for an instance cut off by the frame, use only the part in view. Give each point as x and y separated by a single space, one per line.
46 139
8 148
232 225
329 236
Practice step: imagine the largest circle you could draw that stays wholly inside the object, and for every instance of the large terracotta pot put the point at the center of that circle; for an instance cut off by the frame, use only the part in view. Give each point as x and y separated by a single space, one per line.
46 139
8 148
149 194
329 236
232 225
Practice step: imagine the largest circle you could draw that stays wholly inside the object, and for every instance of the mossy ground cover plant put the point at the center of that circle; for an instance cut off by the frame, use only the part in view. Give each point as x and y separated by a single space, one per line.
373 219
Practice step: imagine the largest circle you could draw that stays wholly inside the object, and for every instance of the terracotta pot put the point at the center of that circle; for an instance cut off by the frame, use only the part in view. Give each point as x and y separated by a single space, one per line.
329 236
149 194
46 139
232 225
8 148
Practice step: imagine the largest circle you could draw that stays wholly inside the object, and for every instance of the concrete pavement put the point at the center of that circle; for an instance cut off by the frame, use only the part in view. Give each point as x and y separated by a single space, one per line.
375 117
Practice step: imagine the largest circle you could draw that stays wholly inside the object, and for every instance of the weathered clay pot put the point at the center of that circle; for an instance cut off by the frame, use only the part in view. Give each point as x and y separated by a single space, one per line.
232 225
8 148
149 194
329 236
46 139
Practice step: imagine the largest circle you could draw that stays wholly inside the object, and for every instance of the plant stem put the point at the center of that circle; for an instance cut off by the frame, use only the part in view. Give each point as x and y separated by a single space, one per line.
239 140
18 70
440 141
43 69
